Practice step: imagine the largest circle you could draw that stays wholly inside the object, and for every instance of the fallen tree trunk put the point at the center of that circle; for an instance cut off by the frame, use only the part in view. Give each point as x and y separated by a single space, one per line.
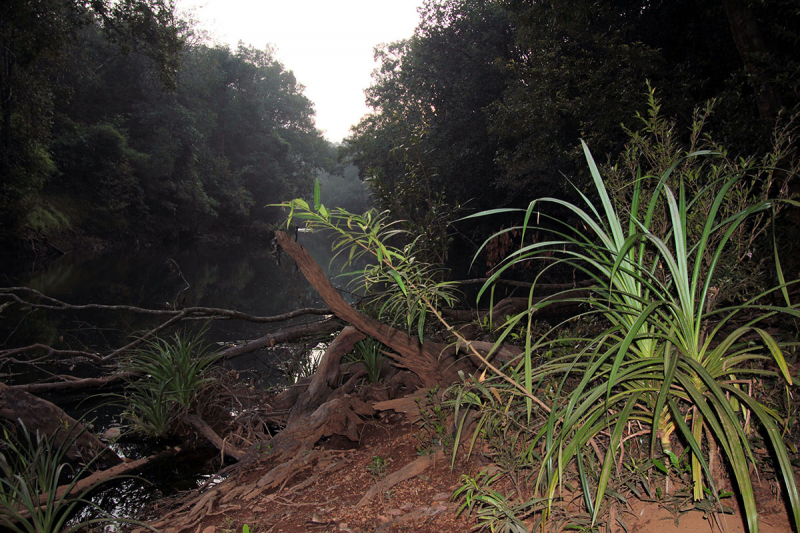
286 334
328 373
515 305
427 360
47 419
108 474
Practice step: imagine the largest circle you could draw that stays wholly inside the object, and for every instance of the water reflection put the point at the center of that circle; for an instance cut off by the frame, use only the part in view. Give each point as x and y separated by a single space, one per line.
245 278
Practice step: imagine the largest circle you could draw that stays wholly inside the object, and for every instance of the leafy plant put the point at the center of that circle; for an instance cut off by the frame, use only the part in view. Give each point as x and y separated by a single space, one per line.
434 429
406 287
174 372
377 467
301 364
33 467
494 510
368 352
669 358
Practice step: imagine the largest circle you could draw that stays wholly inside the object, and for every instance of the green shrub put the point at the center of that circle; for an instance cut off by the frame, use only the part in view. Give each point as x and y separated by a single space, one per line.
670 357
173 371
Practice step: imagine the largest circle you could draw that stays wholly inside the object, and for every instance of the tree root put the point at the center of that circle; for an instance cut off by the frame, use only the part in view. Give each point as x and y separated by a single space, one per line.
409 471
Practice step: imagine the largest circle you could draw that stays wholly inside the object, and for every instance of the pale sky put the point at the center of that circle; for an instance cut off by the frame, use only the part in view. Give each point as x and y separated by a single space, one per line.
328 44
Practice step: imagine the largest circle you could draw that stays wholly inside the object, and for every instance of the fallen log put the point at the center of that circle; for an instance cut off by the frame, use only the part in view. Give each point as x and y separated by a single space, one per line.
339 416
328 373
101 476
287 334
46 418
514 305
412 469
426 359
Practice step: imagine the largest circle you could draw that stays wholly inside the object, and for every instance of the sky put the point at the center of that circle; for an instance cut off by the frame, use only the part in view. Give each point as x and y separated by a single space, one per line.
328 44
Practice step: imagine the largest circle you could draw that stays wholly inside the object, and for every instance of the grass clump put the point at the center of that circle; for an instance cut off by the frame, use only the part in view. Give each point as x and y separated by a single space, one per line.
173 372
33 467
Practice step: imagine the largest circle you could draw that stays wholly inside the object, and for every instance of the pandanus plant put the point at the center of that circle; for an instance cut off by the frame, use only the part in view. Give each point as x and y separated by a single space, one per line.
670 359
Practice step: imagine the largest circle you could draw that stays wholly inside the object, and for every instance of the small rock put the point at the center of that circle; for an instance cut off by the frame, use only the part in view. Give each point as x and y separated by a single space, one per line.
111 434
442 496
406 506
210 529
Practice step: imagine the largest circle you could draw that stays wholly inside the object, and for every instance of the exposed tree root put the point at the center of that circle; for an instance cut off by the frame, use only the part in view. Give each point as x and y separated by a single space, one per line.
412 469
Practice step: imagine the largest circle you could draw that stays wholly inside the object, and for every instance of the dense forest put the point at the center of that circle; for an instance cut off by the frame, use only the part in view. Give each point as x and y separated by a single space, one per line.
120 123
485 104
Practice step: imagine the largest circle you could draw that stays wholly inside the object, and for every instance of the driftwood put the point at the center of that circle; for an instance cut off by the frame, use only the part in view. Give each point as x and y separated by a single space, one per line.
287 334
70 383
101 476
33 299
340 416
41 416
328 373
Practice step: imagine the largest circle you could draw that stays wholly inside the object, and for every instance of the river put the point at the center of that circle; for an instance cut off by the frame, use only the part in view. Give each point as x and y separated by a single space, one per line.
245 277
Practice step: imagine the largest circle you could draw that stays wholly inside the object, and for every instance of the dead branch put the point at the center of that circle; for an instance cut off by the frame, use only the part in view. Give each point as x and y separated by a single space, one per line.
70 382
288 334
205 430
423 359
409 471
546 287
569 301
210 313
101 476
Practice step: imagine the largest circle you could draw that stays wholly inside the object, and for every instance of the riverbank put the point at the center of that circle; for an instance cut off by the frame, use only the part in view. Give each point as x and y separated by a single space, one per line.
339 486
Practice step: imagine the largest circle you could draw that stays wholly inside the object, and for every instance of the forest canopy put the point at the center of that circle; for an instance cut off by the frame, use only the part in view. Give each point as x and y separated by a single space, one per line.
487 101
119 123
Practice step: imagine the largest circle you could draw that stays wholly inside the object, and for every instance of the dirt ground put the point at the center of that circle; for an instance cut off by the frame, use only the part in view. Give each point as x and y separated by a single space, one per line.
326 490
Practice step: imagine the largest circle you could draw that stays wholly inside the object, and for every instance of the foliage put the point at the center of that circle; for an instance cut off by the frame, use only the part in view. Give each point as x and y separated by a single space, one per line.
369 353
740 271
405 286
494 510
487 99
119 118
426 150
33 467
173 371
377 467
670 357
435 432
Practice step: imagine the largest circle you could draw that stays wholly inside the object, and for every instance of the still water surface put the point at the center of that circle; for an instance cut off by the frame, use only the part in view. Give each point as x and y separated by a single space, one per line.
245 278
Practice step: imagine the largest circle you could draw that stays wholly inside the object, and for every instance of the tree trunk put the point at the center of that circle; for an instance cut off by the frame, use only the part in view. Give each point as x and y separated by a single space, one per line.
754 54
426 360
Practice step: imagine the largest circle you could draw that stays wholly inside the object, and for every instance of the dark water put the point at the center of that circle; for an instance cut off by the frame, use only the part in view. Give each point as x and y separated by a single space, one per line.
246 278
